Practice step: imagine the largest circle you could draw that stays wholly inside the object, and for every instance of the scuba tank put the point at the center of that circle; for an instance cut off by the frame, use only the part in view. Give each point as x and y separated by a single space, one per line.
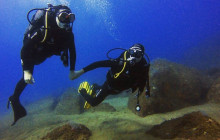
50 12
45 27
36 9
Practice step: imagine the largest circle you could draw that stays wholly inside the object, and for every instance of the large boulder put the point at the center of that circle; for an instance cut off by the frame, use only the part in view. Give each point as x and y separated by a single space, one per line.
173 86
45 105
195 126
214 92
69 132
70 103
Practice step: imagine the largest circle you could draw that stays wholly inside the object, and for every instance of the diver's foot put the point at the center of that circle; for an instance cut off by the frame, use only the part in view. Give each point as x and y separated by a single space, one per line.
84 86
83 91
18 109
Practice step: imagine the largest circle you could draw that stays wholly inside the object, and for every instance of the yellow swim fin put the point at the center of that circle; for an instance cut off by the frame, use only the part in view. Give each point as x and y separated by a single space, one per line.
89 91
87 105
84 85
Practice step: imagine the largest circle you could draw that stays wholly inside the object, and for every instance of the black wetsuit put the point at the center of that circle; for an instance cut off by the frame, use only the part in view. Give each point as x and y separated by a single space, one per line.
34 51
132 77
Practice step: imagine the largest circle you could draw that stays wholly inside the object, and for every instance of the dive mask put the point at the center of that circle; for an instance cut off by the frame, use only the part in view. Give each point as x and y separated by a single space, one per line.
136 55
135 52
65 17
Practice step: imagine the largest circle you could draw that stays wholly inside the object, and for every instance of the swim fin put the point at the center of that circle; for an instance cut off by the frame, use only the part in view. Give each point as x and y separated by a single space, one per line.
18 109
85 87
91 93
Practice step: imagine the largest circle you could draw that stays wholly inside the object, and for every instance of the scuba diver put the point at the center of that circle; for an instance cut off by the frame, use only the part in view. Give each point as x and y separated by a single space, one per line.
49 33
129 70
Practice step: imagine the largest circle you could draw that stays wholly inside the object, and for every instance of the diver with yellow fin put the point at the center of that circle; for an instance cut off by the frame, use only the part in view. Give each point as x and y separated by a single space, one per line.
49 33
129 70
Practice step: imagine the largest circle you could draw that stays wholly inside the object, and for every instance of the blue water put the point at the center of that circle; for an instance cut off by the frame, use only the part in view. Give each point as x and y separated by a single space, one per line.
168 29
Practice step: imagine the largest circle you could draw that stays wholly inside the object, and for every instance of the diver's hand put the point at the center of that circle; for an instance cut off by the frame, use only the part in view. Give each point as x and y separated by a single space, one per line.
28 78
75 74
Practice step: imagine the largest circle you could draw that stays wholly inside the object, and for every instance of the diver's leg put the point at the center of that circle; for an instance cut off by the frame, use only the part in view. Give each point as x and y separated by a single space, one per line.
100 96
18 109
96 87
19 88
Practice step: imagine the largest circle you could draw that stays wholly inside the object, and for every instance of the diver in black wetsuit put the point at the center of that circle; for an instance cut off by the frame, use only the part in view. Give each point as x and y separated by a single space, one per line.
49 33
130 70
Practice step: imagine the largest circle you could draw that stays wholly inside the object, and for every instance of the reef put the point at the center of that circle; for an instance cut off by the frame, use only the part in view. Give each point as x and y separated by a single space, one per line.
214 92
70 103
69 132
193 126
173 86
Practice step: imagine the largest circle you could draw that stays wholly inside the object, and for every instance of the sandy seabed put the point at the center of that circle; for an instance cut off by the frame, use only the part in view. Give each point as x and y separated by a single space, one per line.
119 125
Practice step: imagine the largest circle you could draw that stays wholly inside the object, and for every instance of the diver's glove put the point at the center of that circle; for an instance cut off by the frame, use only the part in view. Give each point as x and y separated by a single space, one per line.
75 74
28 78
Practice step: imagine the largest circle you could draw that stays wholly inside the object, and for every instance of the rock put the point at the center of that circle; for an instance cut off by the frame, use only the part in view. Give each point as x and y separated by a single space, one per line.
214 92
191 126
70 103
213 73
45 105
103 107
124 93
69 132
173 86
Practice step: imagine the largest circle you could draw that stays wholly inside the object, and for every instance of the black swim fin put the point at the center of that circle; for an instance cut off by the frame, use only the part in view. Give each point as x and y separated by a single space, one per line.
18 109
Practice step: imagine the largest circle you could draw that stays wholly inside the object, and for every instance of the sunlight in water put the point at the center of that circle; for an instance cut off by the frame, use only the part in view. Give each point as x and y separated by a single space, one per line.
103 9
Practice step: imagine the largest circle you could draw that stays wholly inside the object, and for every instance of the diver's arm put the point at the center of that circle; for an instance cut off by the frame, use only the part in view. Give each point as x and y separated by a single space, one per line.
27 61
32 36
72 51
106 63
27 52
148 81
98 64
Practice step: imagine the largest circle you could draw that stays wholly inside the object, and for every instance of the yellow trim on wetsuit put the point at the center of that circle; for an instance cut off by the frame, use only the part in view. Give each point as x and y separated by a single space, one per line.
117 74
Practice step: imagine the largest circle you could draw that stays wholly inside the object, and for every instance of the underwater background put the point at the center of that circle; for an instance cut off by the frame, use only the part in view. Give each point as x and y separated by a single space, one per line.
186 31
